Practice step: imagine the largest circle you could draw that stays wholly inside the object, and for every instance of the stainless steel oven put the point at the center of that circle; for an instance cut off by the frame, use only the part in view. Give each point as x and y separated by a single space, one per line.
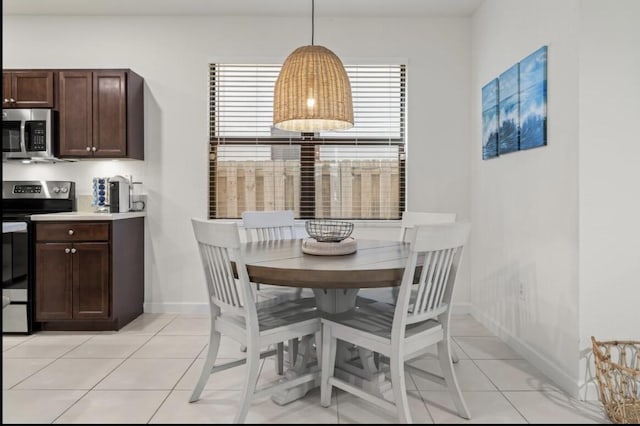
21 199
15 276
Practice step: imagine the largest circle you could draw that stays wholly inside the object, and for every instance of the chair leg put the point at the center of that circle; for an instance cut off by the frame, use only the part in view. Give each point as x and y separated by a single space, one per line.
395 291
319 347
212 353
444 355
280 359
329 346
454 356
293 352
250 381
399 387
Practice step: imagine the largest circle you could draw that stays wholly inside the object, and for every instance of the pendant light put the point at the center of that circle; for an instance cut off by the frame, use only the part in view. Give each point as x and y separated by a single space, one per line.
312 92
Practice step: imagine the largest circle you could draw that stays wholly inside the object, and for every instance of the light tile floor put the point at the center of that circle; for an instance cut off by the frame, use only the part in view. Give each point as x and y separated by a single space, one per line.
145 372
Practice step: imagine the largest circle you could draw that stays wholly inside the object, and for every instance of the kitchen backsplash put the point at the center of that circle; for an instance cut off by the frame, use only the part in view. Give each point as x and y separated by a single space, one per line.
81 172
83 202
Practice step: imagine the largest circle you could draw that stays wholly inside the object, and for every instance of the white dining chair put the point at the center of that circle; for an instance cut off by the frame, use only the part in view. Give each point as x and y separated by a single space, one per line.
410 219
419 320
271 225
234 313
274 225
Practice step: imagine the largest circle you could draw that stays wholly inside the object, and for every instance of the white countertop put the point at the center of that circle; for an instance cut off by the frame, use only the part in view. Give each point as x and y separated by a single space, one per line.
13 226
85 216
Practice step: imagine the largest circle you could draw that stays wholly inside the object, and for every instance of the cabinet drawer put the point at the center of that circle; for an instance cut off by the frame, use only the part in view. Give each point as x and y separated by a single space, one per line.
72 231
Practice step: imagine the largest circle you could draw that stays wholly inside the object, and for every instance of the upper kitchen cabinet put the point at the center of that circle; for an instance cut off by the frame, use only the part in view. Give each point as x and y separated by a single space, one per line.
27 89
101 114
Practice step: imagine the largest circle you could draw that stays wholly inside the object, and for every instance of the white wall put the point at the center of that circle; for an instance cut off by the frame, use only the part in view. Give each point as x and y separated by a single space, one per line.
524 205
172 54
609 172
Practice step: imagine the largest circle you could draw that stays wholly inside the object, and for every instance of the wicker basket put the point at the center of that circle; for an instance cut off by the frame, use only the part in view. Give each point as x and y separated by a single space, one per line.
619 379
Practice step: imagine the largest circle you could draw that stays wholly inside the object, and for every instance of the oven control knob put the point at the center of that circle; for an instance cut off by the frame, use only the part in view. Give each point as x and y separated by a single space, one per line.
56 189
64 189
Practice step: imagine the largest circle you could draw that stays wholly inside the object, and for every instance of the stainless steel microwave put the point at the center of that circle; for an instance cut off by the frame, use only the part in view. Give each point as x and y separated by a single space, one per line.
28 134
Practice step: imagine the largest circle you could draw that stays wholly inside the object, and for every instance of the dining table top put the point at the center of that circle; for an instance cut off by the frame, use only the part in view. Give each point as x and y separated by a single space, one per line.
375 263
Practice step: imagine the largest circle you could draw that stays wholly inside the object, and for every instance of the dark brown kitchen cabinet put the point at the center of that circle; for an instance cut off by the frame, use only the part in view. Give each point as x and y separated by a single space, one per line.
101 114
28 89
73 281
55 282
89 275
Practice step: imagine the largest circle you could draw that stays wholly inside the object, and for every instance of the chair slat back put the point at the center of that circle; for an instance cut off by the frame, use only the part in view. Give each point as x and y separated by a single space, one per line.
269 225
439 249
412 219
219 245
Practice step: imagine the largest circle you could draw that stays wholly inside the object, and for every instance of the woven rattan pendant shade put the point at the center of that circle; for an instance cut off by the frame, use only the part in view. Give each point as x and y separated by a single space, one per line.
312 92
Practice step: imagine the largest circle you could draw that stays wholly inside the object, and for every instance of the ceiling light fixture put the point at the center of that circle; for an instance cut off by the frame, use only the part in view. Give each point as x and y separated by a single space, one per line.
312 92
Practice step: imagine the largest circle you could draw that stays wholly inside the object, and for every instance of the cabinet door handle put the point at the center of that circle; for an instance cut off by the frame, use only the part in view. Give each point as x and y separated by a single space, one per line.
88 149
71 232
6 101
93 149
67 250
11 100
73 250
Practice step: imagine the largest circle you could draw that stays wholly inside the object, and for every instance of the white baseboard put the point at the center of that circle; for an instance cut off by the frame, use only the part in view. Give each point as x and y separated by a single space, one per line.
552 371
176 308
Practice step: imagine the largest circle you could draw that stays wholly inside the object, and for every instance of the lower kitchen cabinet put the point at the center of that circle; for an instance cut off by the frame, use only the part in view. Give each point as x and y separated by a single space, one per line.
89 275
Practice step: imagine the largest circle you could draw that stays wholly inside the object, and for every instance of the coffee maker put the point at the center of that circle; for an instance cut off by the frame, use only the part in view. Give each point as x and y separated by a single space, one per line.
119 197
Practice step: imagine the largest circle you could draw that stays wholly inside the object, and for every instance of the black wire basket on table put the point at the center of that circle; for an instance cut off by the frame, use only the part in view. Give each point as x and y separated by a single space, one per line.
329 231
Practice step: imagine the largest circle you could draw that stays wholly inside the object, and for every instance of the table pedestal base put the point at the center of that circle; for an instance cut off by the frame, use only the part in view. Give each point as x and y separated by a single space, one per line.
335 301
305 363
353 366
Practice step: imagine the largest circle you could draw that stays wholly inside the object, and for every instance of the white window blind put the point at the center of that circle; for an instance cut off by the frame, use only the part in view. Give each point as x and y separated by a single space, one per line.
357 173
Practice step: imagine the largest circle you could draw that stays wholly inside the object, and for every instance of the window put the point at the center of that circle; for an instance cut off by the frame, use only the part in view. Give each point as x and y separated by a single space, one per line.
354 174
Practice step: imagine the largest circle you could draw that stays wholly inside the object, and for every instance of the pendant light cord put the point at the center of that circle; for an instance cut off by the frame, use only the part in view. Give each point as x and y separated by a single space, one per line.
313 8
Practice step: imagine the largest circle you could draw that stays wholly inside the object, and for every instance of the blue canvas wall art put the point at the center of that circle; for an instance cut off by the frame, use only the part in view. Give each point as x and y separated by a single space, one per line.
514 107
533 100
508 101
490 120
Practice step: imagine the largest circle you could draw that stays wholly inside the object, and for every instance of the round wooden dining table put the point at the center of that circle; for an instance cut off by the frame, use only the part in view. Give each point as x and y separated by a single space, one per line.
335 280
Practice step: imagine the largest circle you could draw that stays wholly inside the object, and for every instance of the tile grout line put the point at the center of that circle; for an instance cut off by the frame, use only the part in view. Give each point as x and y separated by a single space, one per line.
99 381
44 366
514 407
32 374
424 402
187 370
491 381
498 389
